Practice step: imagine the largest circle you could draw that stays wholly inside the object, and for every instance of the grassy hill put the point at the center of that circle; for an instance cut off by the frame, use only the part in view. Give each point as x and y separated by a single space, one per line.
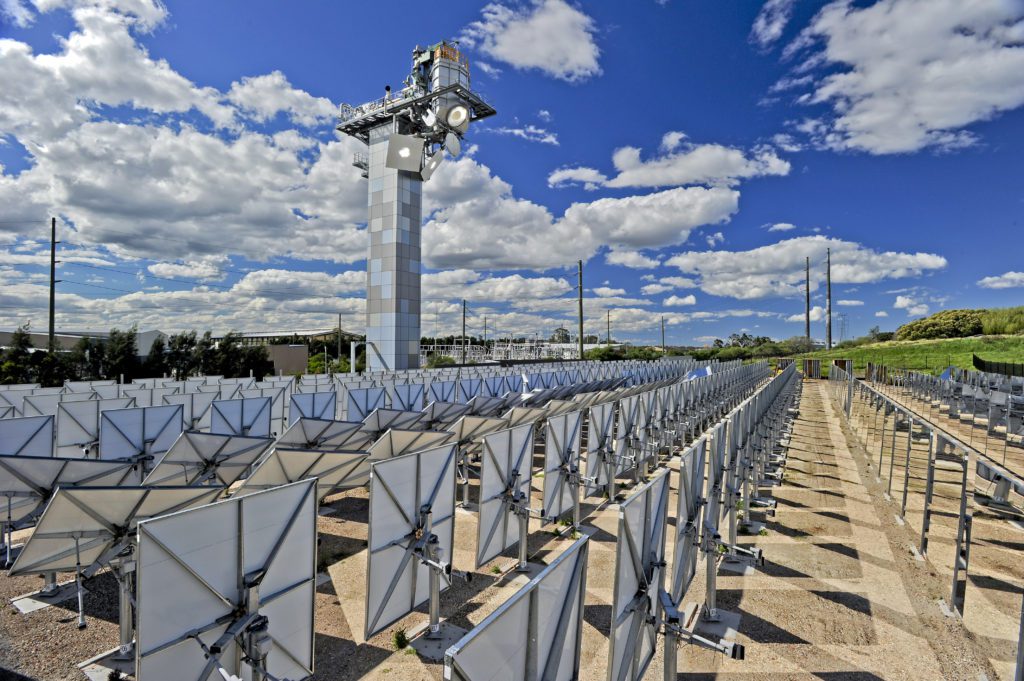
931 356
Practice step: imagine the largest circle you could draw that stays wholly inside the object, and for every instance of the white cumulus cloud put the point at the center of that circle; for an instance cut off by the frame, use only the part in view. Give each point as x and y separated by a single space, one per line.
655 289
681 163
511 233
778 269
551 36
632 259
679 301
771 22
903 75
817 314
1006 280
914 307
263 97
530 133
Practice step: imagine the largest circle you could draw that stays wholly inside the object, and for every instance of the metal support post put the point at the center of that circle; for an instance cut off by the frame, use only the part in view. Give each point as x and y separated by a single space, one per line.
928 493
8 532
435 603
609 468
906 469
881 442
730 499
671 640
49 583
524 525
574 484
78 586
963 545
431 550
892 452
123 573
711 594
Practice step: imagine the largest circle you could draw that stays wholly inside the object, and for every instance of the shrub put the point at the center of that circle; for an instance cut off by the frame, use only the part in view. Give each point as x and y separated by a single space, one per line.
1002 321
944 324
435 361
727 354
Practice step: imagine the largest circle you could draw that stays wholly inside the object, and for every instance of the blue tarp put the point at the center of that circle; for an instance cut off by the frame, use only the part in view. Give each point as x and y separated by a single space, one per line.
698 373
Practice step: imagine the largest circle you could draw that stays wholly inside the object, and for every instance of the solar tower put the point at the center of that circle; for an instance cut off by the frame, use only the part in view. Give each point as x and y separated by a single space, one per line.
407 133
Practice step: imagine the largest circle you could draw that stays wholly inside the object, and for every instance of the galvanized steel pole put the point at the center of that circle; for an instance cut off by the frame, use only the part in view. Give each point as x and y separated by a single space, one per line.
580 293
807 306
828 299
53 276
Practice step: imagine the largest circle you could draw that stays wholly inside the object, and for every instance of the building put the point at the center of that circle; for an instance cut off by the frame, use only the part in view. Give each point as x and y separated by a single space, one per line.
289 360
306 336
66 340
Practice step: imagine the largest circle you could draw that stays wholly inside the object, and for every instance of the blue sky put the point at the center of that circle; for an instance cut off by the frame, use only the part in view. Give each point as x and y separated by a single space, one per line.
691 153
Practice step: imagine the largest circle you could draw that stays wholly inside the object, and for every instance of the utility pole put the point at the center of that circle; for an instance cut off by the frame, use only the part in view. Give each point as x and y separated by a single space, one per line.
463 330
609 327
580 291
663 350
828 299
53 277
339 340
807 306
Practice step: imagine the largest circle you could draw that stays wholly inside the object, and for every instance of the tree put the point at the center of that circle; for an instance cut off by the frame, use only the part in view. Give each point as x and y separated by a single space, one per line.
206 355
316 365
16 366
799 344
561 335
122 354
181 354
744 340
156 363
51 369
227 356
86 360
254 359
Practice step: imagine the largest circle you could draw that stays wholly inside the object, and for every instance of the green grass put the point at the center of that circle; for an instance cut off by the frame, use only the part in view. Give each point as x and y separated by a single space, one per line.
929 356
